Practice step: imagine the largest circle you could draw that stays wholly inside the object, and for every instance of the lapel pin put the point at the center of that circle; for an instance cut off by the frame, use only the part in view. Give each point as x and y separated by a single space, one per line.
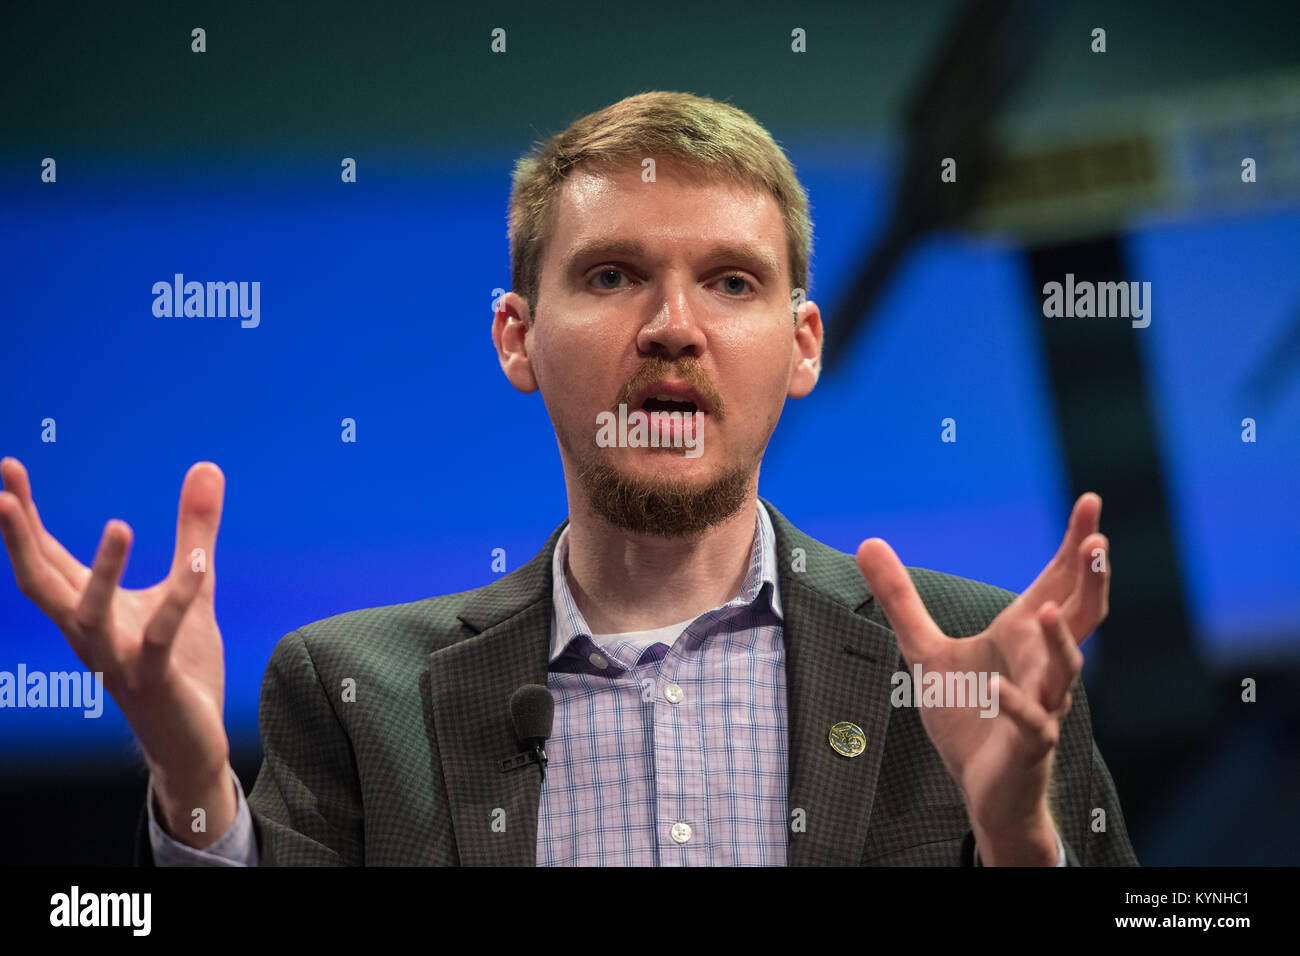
848 739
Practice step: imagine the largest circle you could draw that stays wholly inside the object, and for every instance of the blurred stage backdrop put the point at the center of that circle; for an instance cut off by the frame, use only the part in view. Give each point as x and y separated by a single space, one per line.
376 298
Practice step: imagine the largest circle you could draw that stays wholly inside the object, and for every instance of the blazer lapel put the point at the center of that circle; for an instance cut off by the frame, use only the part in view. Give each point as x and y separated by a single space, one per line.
838 669
493 814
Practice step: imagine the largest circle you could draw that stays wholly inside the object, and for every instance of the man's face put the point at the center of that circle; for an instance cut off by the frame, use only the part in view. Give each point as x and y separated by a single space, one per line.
652 288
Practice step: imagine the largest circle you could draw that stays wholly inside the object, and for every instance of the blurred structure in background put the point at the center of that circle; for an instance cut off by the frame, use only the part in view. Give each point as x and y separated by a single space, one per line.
1068 187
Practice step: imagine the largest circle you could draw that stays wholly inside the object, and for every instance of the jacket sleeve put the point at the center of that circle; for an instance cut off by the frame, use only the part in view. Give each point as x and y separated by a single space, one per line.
306 803
1109 847
1085 804
1082 786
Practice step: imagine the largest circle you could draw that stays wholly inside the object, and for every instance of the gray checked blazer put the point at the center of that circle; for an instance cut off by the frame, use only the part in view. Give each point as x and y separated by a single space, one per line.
408 773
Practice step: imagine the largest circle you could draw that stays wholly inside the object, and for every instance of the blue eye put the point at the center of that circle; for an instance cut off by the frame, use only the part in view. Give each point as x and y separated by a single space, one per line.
609 280
736 278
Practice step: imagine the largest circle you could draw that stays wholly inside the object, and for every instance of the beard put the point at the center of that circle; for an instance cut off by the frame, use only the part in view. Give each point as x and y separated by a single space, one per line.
663 507
669 508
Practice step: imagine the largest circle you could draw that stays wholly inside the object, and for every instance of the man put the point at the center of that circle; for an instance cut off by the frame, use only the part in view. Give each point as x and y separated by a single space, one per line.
724 686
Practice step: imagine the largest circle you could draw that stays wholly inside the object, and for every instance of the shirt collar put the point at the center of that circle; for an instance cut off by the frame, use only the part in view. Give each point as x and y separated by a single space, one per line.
568 624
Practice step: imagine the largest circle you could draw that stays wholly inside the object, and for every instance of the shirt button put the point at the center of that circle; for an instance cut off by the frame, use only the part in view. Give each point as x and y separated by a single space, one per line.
675 695
681 832
599 661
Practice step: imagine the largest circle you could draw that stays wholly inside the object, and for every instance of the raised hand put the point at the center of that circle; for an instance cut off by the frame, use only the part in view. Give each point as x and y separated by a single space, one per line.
1003 763
159 648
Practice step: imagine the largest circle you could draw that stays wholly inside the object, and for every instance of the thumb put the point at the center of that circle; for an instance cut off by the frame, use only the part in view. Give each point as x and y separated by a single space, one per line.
199 516
891 585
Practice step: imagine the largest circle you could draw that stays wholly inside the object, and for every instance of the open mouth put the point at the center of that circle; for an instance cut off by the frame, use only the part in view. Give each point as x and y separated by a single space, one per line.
666 403
670 395
663 414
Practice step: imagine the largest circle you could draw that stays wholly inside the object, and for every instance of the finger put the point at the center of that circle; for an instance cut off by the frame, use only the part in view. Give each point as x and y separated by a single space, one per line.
36 579
197 518
1040 730
1057 578
160 632
1061 660
16 480
105 575
1089 602
918 635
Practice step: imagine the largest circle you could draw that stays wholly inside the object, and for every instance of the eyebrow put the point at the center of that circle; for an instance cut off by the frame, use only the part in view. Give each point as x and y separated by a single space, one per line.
756 259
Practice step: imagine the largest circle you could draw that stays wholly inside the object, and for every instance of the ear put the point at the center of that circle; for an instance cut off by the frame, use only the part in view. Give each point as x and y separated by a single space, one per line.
806 352
510 330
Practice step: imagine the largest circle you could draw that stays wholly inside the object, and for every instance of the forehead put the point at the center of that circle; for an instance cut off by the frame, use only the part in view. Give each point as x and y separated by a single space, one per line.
681 209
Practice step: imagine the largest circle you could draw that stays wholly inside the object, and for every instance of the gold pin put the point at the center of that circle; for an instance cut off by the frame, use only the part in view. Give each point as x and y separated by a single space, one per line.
848 739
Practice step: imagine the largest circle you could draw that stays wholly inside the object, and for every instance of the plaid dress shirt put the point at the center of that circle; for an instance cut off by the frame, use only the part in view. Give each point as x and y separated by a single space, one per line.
670 756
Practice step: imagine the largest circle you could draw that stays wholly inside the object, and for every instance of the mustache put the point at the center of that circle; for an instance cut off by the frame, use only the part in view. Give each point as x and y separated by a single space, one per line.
687 370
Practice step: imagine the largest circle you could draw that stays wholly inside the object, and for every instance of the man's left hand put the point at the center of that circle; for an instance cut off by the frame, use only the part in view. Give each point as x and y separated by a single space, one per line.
1003 763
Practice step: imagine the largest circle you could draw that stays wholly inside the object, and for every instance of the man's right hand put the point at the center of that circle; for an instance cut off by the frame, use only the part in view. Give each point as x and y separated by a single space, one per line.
159 648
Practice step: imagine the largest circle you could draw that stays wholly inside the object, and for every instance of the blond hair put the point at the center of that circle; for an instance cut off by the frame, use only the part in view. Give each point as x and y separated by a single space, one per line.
711 138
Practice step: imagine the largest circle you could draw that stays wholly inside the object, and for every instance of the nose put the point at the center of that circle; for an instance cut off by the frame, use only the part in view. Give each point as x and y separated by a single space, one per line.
674 328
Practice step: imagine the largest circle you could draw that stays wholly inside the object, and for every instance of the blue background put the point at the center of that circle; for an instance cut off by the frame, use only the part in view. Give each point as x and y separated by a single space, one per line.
376 305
